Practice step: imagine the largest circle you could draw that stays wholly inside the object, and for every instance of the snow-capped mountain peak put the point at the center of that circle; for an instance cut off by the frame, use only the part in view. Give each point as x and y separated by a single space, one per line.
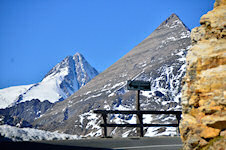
60 82
61 68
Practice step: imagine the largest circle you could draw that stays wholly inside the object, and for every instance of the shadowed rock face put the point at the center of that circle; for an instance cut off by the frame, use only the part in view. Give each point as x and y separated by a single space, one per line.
204 91
14 121
28 110
160 59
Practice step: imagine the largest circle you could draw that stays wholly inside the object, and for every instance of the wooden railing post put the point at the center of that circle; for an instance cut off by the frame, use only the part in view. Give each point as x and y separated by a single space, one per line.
140 117
104 115
178 116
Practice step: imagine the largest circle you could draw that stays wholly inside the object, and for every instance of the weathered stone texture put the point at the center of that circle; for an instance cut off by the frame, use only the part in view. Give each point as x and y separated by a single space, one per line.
204 91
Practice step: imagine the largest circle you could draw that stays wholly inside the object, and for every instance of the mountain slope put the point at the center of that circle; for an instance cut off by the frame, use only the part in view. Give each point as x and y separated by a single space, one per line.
62 81
160 59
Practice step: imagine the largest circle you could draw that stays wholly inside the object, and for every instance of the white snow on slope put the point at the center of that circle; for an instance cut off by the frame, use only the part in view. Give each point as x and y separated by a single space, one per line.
49 89
51 93
9 95
94 121
29 134
153 131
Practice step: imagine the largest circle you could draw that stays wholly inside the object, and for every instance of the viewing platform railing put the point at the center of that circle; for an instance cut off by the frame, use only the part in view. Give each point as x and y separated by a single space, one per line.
140 123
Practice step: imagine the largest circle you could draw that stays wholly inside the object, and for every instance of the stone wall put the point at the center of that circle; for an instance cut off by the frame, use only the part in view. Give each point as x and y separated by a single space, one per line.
204 87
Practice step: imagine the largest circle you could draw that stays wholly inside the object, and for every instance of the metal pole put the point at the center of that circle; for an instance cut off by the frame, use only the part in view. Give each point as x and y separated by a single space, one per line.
139 116
138 100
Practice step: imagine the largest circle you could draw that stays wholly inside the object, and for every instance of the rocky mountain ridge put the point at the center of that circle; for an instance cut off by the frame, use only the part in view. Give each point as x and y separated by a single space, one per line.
160 59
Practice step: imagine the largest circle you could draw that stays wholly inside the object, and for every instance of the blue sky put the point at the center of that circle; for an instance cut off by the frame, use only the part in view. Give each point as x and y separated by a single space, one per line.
35 35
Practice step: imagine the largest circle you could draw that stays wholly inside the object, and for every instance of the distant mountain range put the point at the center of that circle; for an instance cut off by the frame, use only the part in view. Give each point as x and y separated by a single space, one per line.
160 59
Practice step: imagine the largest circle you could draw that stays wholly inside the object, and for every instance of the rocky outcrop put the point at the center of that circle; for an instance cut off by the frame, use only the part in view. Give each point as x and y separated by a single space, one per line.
29 110
204 91
14 121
